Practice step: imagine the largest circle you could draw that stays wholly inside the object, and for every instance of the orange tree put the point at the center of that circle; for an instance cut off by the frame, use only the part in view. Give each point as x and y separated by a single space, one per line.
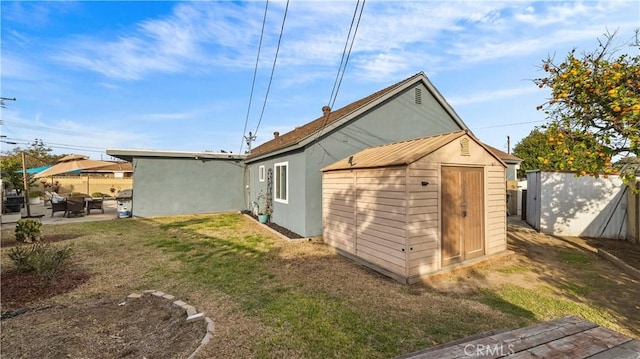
537 153
594 110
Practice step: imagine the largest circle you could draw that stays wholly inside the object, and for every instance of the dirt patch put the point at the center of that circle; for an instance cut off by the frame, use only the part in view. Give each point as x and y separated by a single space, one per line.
34 326
626 251
20 290
148 327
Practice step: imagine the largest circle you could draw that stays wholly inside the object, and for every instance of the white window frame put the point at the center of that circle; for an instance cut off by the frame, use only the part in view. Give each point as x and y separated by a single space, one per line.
276 182
261 173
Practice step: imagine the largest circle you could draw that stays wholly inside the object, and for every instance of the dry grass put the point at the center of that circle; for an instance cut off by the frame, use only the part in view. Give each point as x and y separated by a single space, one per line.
273 298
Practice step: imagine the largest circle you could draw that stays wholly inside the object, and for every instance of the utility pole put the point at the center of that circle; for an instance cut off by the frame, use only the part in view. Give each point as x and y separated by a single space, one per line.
25 182
508 145
249 138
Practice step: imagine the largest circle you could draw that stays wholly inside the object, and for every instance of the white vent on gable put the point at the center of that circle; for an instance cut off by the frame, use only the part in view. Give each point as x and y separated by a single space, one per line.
464 147
418 94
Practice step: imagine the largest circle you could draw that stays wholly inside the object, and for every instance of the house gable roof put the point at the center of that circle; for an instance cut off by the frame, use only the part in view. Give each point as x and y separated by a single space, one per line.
303 135
401 153
506 157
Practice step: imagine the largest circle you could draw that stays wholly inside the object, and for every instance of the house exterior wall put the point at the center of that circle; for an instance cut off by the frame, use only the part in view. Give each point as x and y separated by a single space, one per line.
396 120
580 206
171 186
289 215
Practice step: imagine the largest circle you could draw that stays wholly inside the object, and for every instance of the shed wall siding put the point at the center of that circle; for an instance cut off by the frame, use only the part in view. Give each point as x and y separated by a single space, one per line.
381 223
389 219
338 211
496 210
424 217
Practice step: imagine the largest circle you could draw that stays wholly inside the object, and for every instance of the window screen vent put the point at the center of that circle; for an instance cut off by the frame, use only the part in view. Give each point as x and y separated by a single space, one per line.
464 147
418 93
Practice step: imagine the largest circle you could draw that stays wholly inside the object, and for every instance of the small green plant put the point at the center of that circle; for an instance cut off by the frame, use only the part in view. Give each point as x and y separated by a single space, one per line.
28 230
42 259
97 194
35 193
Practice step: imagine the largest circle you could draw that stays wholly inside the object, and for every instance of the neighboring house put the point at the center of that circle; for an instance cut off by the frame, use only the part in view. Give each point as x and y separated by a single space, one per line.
176 182
409 209
512 162
118 170
562 204
514 193
291 162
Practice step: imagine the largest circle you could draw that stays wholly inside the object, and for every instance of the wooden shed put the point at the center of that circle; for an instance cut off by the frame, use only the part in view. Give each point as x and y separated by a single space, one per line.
414 208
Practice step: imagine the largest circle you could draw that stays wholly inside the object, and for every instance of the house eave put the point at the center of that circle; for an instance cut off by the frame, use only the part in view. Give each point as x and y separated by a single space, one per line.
130 154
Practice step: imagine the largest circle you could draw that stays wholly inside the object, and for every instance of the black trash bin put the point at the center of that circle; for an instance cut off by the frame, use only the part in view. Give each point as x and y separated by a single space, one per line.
13 203
125 203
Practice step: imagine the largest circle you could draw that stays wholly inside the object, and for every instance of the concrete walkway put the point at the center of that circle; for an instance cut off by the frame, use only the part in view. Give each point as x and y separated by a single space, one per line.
43 213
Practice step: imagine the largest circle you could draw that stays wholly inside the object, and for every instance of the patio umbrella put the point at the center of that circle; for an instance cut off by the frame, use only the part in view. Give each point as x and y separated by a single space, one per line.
73 163
34 170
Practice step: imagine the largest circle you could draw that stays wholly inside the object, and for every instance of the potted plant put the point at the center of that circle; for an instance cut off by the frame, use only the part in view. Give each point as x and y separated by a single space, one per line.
34 196
264 207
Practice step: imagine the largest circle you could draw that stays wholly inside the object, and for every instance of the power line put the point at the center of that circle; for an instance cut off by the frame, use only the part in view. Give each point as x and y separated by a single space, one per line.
253 83
353 40
341 69
509 124
18 141
273 68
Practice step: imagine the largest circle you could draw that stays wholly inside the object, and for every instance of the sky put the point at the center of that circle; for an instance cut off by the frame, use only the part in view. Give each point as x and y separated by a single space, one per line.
179 76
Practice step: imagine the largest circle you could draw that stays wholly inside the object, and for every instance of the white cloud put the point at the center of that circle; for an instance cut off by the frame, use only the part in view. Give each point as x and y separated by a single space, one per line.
491 96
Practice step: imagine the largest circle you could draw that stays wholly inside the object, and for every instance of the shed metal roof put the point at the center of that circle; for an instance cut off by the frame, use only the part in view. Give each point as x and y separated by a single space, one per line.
401 153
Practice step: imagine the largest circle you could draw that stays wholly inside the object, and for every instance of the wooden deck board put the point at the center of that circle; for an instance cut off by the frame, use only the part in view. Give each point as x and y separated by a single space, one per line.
628 350
567 337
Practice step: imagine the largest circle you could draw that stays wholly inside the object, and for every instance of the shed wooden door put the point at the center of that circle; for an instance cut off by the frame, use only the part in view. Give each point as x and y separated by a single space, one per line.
462 214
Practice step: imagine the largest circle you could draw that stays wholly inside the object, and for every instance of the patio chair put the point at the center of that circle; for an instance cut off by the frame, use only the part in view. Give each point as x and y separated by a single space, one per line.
75 205
58 203
59 207
95 203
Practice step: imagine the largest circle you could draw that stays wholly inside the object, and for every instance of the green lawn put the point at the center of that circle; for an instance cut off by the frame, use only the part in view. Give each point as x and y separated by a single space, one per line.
273 298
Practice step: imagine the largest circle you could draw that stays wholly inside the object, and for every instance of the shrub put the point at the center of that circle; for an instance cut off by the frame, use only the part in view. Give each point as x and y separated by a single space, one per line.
28 230
97 194
42 259
35 193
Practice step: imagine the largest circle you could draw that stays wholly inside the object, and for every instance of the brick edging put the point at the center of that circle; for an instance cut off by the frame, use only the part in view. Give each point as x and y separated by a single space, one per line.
191 312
